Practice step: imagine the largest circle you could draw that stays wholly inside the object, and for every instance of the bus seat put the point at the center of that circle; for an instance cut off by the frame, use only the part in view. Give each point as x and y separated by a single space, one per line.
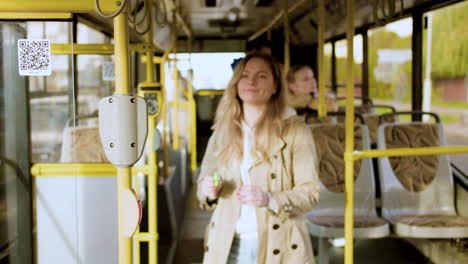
327 218
318 120
418 191
372 120
358 109
311 117
82 144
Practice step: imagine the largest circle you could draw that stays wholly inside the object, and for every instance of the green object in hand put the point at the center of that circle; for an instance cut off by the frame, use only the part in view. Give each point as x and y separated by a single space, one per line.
216 178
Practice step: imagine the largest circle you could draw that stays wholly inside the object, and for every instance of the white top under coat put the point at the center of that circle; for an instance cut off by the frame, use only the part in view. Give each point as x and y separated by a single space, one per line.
246 225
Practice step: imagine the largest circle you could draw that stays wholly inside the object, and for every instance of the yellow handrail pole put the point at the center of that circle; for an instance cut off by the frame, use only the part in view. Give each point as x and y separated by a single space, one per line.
286 39
152 161
348 155
193 125
136 243
164 105
58 6
175 133
322 110
122 86
193 113
376 153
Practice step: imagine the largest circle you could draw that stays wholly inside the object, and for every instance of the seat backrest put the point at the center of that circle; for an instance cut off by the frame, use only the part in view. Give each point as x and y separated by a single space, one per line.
330 146
372 122
414 185
311 119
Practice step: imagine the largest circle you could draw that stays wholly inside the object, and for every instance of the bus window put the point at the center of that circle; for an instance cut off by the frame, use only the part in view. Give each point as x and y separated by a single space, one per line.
341 55
390 60
446 76
50 100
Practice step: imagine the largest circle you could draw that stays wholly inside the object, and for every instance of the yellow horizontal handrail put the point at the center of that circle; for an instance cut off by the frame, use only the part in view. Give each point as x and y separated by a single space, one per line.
145 237
99 49
74 6
375 153
80 169
209 92
16 16
95 49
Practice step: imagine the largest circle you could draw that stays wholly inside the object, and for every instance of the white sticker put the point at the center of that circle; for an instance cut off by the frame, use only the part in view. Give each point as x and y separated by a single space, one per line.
34 57
108 71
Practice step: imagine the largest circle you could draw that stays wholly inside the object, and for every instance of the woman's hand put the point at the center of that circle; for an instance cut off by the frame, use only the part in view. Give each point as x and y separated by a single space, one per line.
253 195
209 189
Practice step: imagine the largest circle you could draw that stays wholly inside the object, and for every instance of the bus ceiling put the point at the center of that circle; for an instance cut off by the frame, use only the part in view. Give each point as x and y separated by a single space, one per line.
247 20
240 20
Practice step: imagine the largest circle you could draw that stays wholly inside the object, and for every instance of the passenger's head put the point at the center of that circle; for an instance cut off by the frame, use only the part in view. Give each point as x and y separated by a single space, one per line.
261 46
257 80
301 80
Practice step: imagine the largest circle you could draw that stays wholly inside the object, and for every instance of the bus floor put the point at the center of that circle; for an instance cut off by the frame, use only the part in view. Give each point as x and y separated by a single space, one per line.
384 250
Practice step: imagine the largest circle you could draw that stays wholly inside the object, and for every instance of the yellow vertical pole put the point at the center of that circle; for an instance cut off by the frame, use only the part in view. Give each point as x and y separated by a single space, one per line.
286 39
348 156
322 110
193 114
136 242
175 133
122 86
162 67
193 125
152 160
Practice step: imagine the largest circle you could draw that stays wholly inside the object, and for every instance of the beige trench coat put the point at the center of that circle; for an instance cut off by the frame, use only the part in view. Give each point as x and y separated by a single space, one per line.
290 175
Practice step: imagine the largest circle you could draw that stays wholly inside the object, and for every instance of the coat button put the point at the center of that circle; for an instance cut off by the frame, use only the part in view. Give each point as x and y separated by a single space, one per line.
294 246
212 224
275 226
273 176
276 252
275 156
206 248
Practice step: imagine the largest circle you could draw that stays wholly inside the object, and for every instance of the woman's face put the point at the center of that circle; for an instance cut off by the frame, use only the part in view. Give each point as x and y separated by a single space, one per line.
256 85
304 82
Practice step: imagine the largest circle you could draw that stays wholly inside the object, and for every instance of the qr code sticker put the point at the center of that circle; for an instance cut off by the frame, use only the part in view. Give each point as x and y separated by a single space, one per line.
34 57
108 71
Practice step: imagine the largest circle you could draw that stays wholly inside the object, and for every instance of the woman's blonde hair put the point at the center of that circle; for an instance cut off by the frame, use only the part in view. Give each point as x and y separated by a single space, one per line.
229 114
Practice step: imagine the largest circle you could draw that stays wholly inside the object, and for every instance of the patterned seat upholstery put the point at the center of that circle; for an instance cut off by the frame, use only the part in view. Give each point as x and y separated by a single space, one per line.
372 122
327 218
418 191
330 144
432 220
415 173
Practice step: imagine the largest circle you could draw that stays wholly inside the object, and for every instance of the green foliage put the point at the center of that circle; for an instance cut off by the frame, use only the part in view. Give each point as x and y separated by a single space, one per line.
398 89
446 119
450 42
449 55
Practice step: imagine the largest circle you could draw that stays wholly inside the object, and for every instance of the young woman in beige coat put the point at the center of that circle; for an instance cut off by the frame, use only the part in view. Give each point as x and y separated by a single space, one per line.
264 158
